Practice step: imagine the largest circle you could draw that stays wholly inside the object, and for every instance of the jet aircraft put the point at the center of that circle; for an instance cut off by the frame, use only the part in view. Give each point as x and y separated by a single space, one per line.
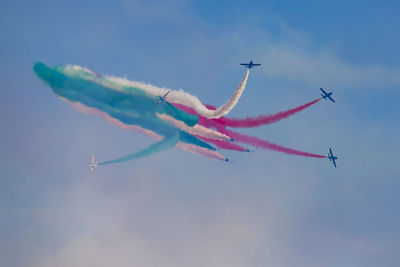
326 95
331 157
92 164
250 65
163 98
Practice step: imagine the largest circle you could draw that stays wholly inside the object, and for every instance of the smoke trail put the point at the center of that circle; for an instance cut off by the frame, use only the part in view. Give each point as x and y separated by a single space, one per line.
197 130
187 99
209 123
229 105
88 110
225 145
202 151
250 121
264 119
184 146
186 124
177 96
164 144
256 142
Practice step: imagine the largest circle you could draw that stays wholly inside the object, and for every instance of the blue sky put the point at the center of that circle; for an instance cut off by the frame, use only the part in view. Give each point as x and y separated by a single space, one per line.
178 209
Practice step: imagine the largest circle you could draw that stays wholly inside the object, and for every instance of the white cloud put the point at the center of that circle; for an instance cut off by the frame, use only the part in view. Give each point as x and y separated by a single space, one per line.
140 224
292 55
324 67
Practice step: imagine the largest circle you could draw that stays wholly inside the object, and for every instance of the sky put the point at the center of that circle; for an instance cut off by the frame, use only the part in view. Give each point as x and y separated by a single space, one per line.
180 209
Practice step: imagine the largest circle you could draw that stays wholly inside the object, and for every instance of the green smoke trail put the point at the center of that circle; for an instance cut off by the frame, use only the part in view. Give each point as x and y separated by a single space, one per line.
164 144
92 93
129 105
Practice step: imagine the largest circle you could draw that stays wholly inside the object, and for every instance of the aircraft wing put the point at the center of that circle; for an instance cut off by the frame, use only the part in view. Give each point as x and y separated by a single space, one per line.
331 99
323 91
93 159
256 64
245 64
334 163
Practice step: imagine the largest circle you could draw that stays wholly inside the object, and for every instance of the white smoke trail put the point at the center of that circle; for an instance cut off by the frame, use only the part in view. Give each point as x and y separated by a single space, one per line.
188 100
175 96
195 130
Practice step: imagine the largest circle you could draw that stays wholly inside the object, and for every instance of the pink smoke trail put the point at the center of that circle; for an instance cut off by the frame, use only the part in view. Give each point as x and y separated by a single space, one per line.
202 120
202 151
260 143
264 119
250 121
257 142
88 110
254 141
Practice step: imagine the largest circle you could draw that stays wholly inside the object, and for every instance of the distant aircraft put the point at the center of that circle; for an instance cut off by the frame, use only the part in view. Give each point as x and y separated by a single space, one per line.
163 98
331 157
250 65
326 95
92 164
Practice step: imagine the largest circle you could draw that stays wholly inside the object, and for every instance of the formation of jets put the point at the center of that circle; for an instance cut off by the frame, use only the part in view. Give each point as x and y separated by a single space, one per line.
163 98
327 96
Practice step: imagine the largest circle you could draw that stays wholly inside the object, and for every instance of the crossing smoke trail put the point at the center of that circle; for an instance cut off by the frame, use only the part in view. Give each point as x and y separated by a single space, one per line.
187 124
187 147
201 151
225 145
250 121
260 143
250 140
193 102
197 130
157 147
264 119
175 96
130 108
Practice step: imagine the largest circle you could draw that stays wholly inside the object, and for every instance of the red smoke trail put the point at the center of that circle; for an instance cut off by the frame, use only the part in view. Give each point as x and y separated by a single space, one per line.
251 140
254 141
263 119
250 121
